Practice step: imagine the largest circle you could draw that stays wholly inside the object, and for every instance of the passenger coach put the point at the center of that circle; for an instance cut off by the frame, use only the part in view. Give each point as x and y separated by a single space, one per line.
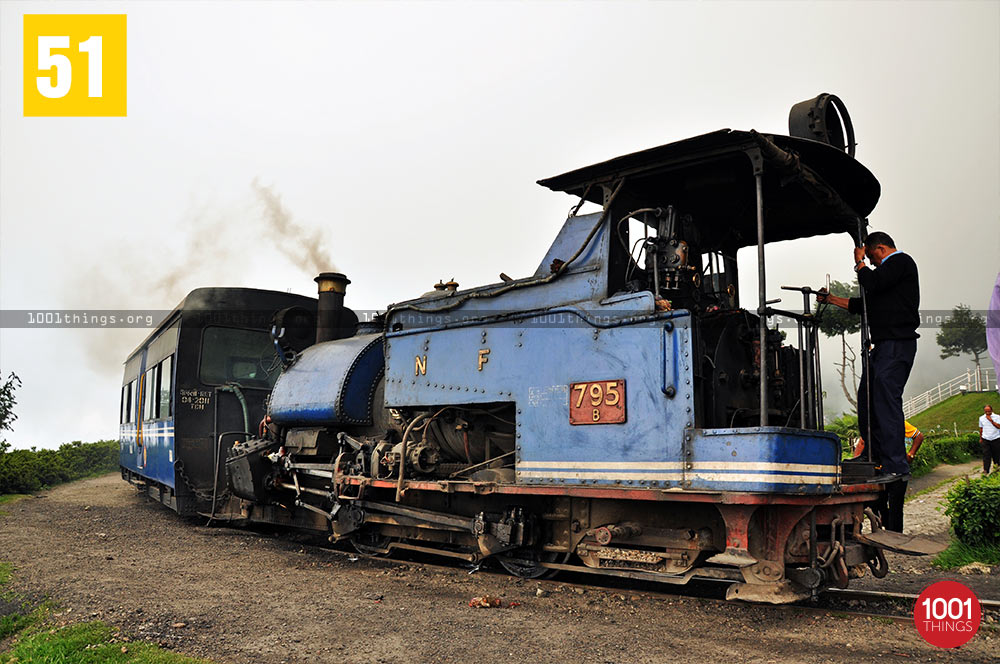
206 370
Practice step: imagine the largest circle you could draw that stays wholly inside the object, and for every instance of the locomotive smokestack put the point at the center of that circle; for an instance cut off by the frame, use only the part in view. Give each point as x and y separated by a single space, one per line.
331 321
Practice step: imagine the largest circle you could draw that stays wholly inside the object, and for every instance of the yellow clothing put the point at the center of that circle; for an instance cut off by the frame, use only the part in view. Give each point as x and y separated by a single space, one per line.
909 432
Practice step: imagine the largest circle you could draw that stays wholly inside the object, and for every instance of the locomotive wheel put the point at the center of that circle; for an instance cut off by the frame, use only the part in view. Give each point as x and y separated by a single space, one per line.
370 543
524 563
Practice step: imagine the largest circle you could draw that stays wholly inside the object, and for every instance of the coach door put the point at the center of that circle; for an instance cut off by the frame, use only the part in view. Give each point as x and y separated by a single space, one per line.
147 417
139 410
131 453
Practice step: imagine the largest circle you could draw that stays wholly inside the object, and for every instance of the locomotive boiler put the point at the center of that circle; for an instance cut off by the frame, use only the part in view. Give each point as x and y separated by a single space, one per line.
617 412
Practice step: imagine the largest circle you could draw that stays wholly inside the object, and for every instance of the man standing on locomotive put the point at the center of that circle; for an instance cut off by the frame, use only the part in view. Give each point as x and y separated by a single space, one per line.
892 290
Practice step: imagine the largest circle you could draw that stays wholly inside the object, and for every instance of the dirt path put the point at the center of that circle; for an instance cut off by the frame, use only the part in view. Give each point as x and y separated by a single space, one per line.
106 553
944 472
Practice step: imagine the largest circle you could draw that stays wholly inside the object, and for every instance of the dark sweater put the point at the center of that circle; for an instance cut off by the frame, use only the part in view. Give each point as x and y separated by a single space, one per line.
893 294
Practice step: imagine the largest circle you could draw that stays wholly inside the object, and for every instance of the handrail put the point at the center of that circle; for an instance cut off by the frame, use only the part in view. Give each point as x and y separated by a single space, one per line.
979 379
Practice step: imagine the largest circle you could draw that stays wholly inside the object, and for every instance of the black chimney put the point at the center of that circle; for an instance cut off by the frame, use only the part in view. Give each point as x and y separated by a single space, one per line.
333 320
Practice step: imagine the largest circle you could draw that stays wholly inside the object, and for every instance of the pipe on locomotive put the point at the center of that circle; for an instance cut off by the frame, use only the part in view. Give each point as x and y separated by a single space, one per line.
330 307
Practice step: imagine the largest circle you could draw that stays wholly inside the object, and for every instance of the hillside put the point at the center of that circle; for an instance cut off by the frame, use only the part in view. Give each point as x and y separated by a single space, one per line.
962 410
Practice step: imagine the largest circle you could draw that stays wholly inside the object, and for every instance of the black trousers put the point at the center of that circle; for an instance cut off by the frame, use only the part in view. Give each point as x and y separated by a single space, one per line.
890 506
991 451
881 408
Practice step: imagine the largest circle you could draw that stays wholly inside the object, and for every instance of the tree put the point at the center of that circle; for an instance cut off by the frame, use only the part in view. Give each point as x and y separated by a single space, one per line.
839 322
963 332
7 403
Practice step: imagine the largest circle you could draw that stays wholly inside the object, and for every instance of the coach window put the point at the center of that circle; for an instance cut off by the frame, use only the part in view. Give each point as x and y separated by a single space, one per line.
149 401
166 378
231 355
130 398
126 392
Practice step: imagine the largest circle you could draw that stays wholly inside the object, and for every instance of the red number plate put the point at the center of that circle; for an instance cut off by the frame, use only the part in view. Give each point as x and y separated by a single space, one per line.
597 402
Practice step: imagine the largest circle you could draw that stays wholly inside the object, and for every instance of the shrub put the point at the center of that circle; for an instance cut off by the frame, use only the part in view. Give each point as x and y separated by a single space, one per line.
944 449
24 471
846 427
973 506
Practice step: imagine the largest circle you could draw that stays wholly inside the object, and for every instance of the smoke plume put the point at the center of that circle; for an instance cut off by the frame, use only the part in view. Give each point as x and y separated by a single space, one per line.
217 244
304 247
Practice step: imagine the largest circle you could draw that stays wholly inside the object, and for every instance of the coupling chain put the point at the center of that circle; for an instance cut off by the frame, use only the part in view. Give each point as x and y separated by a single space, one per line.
198 493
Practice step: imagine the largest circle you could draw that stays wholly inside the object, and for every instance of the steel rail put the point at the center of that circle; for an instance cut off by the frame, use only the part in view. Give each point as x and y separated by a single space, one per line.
850 593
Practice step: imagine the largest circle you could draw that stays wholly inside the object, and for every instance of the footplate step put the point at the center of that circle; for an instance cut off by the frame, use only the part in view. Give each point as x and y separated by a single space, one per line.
911 545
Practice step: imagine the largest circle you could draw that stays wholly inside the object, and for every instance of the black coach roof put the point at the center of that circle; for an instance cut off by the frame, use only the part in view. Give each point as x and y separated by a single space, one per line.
228 302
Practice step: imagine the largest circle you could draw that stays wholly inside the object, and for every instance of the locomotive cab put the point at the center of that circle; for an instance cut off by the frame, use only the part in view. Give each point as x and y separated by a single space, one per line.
699 202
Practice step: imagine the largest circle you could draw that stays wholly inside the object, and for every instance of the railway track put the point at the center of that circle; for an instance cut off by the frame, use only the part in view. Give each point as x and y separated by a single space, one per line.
880 605
848 593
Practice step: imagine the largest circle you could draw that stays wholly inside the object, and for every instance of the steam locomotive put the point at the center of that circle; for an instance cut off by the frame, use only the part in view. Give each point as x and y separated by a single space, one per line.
617 412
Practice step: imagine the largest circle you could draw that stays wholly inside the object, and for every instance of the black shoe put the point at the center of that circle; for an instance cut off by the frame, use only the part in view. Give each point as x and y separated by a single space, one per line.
889 478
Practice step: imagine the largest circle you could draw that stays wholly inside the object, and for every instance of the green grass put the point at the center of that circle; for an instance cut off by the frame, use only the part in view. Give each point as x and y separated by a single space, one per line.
962 410
6 571
88 643
959 554
20 615
16 614
37 641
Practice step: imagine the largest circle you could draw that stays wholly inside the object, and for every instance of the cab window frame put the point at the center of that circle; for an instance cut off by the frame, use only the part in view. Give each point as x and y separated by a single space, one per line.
268 383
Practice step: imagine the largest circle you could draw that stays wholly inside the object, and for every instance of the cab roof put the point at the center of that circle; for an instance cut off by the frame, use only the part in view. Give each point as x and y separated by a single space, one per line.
711 177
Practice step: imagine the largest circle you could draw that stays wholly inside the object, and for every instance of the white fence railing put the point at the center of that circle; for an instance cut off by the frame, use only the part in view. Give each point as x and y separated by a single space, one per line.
979 379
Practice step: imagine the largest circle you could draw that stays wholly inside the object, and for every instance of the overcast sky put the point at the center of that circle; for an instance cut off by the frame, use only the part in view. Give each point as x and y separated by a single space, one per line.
409 137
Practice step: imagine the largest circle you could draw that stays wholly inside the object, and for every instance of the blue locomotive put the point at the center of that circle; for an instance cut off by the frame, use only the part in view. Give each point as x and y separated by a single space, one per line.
617 412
